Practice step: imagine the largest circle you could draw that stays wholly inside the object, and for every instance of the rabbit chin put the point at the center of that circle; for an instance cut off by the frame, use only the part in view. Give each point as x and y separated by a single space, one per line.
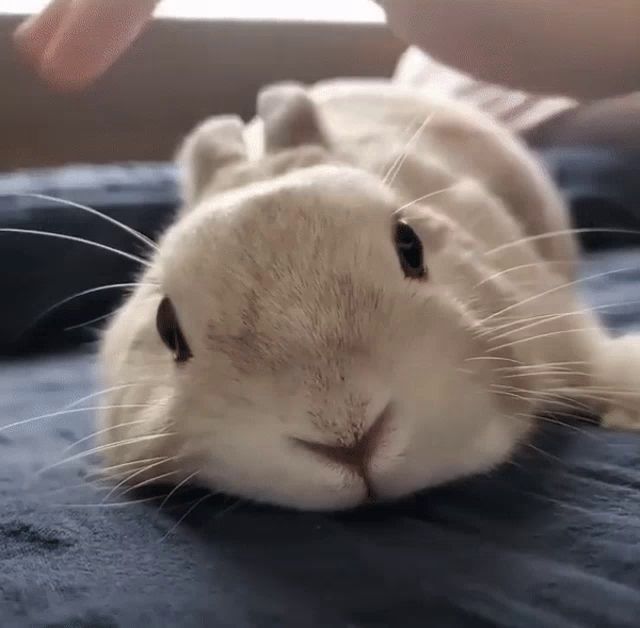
417 451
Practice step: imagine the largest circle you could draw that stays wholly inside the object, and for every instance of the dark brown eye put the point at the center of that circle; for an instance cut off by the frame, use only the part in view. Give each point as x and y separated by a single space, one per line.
170 332
409 249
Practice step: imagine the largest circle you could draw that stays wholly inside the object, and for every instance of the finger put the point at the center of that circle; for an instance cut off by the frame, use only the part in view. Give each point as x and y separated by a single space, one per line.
34 34
91 38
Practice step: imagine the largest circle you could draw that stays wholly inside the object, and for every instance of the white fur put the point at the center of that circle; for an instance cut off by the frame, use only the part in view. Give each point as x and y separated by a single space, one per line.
283 273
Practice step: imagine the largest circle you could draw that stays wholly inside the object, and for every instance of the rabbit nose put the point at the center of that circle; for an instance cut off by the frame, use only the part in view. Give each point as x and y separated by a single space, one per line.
356 456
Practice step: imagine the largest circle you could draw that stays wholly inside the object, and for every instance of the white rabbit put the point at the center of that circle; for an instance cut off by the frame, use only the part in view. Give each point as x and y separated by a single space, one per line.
311 335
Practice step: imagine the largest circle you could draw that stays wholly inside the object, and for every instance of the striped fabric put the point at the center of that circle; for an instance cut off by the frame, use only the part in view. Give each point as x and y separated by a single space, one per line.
518 110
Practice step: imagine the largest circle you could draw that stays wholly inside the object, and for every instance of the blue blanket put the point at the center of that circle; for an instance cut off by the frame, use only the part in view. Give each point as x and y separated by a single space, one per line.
551 541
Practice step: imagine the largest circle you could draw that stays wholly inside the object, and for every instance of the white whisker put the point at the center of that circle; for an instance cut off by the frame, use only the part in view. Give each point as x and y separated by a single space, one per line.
103 317
123 504
91 321
515 320
186 514
424 197
135 474
544 318
51 415
136 234
512 269
550 334
545 374
545 419
539 395
390 177
89 291
563 286
583 390
492 358
175 489
392 163
561 232
108 470
535 398
106 430
512 395
62 236
546 454
148 481
108 447
542 365
104 391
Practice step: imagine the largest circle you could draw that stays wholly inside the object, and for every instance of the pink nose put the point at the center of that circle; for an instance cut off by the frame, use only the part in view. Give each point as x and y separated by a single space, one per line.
357 456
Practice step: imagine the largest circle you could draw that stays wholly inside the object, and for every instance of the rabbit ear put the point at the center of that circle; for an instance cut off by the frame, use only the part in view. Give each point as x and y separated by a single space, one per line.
213 144
289 116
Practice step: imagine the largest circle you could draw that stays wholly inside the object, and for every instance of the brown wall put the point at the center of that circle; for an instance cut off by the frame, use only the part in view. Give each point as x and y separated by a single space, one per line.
178 73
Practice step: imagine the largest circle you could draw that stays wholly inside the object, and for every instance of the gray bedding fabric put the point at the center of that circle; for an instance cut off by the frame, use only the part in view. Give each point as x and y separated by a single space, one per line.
553 541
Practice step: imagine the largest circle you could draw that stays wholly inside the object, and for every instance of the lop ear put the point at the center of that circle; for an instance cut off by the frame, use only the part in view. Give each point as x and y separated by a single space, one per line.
213 144
289 117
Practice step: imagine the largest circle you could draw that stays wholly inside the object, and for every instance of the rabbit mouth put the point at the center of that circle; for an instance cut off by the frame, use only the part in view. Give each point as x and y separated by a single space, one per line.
355 457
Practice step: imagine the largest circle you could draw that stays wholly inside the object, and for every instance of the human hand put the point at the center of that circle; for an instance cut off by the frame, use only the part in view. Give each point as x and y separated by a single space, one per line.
587 49
72 42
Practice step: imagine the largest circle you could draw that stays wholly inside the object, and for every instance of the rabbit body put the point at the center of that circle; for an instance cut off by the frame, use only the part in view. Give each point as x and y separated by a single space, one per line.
368 291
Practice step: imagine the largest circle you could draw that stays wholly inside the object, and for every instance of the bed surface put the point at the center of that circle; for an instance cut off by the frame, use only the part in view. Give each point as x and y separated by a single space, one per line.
551 541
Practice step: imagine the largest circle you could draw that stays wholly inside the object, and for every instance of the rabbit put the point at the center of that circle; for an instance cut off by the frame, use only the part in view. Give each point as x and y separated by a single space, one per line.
367 292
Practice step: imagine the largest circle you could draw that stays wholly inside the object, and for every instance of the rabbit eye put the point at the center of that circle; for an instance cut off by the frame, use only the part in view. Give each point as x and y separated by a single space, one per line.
170 332
409 250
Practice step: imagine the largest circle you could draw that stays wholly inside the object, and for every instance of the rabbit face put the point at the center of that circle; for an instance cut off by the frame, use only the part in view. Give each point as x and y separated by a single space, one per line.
321 358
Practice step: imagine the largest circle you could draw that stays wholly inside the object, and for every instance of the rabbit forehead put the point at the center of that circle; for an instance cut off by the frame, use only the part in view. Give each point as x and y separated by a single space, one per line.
310 225
305 193
285 271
